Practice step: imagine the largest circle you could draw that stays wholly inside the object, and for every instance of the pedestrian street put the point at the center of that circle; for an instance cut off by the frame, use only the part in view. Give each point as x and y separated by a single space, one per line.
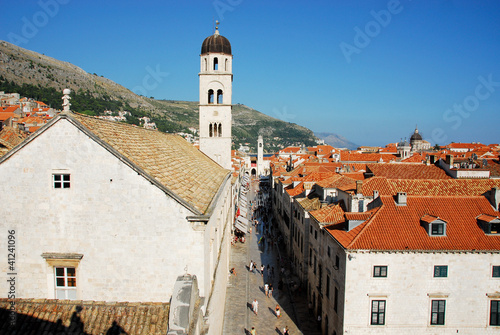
245 286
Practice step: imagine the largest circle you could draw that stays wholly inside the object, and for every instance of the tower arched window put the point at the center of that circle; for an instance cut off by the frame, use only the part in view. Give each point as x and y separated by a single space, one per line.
216 64
220 129
225 66
210 96
206 67
210 130
216 128
219 97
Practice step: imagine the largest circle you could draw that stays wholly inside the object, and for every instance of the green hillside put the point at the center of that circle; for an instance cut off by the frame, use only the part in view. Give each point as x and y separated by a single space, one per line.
37 76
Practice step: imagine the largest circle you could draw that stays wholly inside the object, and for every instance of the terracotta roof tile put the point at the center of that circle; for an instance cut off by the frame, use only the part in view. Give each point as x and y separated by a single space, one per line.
6 115
353 156
429 218
296 190
395 227
41 316
330 214
443 187
407 171
487 218
336 181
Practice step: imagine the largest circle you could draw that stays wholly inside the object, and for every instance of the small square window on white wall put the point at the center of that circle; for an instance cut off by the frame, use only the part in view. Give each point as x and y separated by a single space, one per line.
61 180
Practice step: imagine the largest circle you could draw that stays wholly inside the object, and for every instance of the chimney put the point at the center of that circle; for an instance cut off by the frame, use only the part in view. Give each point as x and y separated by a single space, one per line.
359 186
375 194
449 160
401 199
494 197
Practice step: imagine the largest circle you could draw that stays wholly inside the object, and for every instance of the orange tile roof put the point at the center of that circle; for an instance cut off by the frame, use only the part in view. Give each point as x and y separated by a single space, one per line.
330 214
395 227
354 175
296 190
487 218
443 187
33 129
353 156
465 146
380 184
407 171
318 176
44 316
335 181
5 115
290 150
415 158
363 216
429 218
9 109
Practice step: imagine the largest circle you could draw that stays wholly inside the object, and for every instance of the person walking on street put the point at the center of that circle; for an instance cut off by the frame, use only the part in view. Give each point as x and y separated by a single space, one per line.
270 295
253 331
266 289
250 267
278 311
262 267
255 306
285 331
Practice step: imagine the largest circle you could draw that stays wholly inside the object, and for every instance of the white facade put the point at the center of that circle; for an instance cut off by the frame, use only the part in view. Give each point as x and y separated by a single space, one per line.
126 237
215 106
410 287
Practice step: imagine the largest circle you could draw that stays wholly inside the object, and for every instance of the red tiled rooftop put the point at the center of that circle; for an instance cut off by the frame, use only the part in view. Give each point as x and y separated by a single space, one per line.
295 190
395 227
407 171
5 115
443 187
329 214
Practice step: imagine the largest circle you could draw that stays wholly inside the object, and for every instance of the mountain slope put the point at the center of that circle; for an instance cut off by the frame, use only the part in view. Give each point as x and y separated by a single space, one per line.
44 78
337 141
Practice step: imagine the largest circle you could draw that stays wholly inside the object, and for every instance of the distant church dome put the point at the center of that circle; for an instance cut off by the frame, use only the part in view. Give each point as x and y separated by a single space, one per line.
416 136
216 44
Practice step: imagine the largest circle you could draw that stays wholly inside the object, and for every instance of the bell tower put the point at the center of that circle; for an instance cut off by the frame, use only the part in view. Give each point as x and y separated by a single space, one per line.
216 79
260 156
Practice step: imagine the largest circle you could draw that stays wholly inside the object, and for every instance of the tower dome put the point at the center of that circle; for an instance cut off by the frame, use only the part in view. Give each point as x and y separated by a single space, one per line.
216 44
416 136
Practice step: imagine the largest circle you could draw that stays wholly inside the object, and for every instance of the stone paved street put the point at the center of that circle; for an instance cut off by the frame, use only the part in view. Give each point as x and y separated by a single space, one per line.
247 286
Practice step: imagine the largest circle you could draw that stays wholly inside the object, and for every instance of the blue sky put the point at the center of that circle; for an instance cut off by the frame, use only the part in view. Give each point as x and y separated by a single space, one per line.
367 70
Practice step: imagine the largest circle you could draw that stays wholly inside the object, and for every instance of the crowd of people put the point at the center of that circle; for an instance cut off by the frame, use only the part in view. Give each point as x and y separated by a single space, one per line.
269 238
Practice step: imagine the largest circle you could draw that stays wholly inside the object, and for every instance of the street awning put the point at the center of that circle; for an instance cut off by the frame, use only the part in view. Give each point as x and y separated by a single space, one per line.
242 224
